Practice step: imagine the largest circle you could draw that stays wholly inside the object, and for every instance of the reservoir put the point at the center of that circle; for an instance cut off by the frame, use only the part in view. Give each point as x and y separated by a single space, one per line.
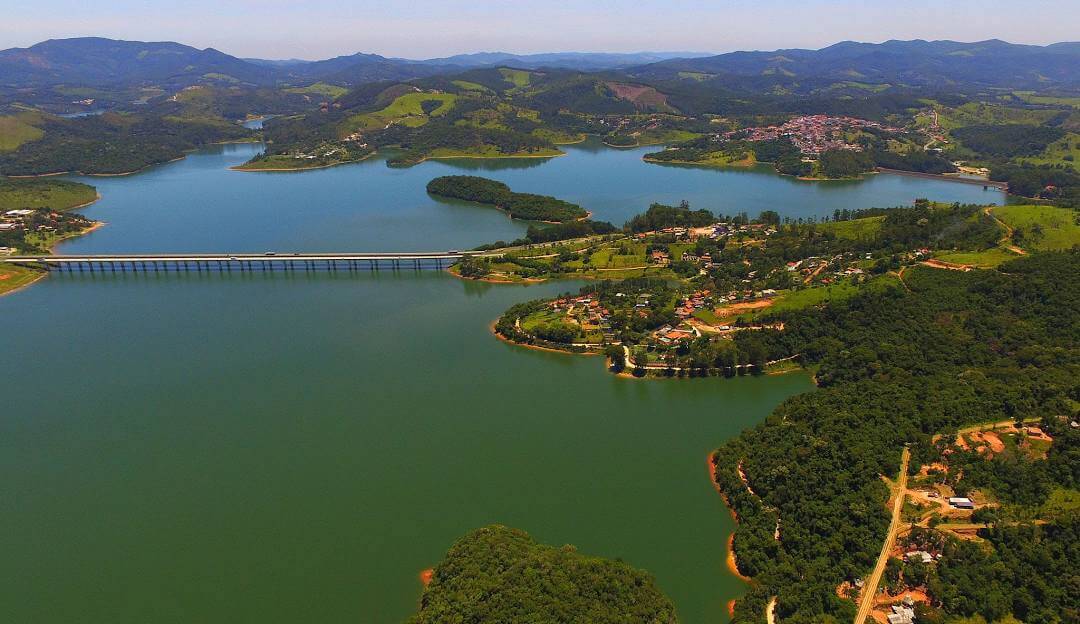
282 448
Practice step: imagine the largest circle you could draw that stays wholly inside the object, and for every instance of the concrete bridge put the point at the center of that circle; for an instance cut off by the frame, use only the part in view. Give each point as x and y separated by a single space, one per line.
268 261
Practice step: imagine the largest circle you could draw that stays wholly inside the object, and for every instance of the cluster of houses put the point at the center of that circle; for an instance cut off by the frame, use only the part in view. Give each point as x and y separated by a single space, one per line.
720 230
668 335
813 134
587 311
16 224
693 302
14 219
903 613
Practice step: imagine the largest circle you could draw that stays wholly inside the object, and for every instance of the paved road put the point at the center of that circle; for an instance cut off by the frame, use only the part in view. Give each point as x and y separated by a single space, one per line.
870 587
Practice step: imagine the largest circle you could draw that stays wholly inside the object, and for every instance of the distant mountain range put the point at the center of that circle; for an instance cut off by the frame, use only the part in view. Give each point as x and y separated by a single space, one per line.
99 62
96 61
910 63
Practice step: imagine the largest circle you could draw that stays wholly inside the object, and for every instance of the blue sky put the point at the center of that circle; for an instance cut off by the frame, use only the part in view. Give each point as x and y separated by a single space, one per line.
428 28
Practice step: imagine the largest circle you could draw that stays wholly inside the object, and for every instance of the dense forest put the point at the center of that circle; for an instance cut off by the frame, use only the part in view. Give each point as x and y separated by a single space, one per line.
895 367
113 143
519 205
499 575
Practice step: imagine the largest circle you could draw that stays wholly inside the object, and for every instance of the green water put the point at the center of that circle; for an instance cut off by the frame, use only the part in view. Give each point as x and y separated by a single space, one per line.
297 448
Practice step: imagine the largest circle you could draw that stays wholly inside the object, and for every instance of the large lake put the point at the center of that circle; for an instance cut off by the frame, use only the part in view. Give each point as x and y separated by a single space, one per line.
297 448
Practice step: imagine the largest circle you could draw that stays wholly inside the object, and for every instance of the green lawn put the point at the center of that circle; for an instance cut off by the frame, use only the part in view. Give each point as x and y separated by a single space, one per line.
321 88
808 297
44 193
17 129
13 277
707 316
470 86
519 77
406 109
1064 151
989 258
1059 226
974 113
1031 98
855 229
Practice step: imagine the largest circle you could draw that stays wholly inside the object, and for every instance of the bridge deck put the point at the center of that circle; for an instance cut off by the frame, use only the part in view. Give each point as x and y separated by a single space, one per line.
242 261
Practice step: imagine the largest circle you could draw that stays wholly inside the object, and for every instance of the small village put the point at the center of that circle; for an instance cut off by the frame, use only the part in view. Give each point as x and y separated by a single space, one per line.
26 228
664 323
813 134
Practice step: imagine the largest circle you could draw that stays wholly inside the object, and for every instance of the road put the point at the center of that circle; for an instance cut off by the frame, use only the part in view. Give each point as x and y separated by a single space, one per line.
870 587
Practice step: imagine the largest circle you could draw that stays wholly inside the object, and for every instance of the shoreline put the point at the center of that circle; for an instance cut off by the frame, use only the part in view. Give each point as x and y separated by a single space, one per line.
491 327
730 561
85 204
480 157
41 274
955 177
288 169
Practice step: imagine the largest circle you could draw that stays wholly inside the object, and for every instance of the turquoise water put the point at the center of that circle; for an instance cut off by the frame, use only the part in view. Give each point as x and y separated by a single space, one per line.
298 447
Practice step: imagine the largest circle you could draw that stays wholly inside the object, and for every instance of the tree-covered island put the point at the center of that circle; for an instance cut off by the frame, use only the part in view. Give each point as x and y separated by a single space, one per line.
500 575
527 206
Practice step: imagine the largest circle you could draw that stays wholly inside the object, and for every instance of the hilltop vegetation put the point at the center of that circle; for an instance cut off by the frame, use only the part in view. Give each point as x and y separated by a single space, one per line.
44 193
895 366
501 575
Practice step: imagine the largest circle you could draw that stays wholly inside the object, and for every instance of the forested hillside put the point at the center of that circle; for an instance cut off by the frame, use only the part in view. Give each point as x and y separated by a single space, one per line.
895 367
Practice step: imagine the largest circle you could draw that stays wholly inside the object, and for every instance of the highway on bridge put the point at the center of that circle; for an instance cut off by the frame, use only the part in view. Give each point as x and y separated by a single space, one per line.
244 261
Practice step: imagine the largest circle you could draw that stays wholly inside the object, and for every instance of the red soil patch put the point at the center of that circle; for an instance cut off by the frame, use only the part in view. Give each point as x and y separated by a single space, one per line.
731 608
426 576
4 276
996 445
952 266
638 94
736 308
732 565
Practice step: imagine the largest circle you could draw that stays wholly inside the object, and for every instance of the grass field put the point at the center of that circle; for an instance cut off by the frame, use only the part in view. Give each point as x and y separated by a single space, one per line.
854 229
1031 98
406 109
808 297
17 129
1064 151
471 86
1059 226
321 88
14 277
519 77
44 193
987 259
974 113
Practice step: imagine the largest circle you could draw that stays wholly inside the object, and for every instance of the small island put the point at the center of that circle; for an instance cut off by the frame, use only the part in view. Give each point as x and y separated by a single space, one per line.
498 574
518 205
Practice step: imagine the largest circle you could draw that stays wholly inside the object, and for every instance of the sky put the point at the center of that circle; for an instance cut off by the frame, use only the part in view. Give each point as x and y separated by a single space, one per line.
313 29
